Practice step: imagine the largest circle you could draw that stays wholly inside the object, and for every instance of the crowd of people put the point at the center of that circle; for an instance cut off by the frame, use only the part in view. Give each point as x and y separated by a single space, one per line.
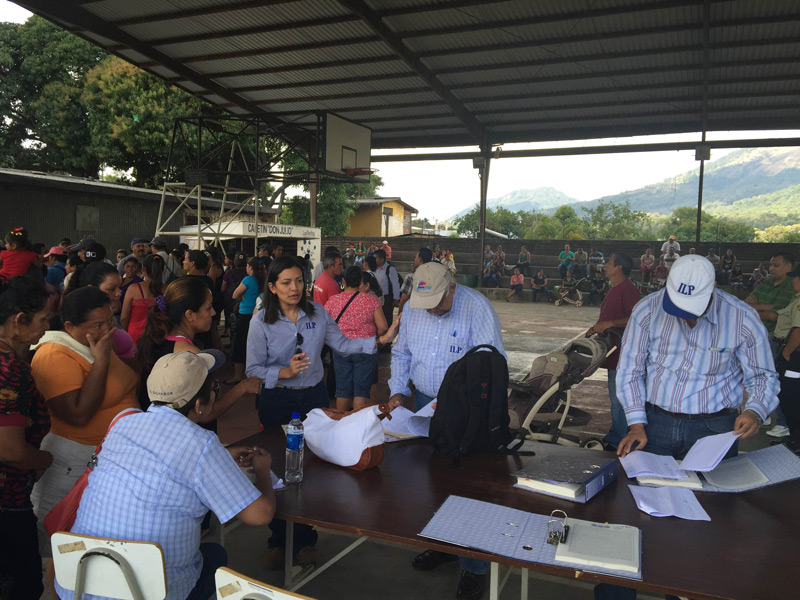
144 338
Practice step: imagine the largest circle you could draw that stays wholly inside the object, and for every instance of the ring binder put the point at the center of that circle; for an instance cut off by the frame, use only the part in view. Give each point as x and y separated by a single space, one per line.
557 530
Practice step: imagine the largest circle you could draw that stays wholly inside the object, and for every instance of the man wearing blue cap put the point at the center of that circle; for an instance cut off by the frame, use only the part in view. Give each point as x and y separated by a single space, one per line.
687 352
139 247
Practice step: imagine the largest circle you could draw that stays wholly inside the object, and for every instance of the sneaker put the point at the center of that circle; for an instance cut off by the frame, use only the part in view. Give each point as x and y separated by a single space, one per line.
470 587
273 559
778 431
768 422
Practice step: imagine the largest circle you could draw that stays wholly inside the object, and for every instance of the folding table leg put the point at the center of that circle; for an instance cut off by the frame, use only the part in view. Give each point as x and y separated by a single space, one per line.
288 559
494 581
524 585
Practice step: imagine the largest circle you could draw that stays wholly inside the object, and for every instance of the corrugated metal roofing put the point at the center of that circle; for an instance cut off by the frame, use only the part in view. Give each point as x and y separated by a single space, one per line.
454 72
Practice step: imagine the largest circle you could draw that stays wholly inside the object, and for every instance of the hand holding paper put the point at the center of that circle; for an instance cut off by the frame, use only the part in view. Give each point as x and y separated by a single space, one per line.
708 452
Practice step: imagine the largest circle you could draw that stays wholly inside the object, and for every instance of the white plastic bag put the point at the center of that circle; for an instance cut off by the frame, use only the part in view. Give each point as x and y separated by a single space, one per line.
353 439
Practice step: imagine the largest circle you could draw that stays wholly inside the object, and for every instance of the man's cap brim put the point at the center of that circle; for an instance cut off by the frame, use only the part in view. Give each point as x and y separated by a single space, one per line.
675 311
428 301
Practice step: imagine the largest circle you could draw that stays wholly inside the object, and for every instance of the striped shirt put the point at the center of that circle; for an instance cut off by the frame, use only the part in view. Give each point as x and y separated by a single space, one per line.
427 344
699 370
156 477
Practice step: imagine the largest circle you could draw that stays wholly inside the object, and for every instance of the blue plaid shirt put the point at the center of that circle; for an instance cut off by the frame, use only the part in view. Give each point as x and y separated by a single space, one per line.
695 370
156 477
427 344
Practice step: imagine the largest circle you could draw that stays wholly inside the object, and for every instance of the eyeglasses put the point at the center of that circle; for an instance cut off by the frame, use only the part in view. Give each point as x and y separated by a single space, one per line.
299 342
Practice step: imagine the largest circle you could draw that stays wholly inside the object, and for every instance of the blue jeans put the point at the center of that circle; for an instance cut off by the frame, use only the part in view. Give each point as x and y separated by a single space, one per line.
544 291
214 557
619 423
670 436
474 565
489 278
354 374
421 400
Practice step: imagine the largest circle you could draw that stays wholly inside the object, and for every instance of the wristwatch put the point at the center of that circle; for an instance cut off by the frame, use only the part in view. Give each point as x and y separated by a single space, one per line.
758 417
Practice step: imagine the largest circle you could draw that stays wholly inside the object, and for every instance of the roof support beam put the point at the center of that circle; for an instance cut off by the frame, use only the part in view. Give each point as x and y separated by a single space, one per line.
184 13
373 19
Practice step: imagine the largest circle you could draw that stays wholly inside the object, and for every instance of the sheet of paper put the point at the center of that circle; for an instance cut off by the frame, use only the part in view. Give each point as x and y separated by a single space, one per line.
740 474
707 452
277 482
396 428
669 502
420 422
641 463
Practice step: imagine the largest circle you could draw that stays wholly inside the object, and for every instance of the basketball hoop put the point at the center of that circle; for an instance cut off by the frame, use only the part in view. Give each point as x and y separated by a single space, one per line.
358 172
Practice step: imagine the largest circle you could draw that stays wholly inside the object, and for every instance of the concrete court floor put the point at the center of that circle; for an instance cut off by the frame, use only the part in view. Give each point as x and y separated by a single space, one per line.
382 570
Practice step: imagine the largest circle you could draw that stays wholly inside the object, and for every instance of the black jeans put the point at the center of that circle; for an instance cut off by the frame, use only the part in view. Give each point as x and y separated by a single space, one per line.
20 565
275 407
789 395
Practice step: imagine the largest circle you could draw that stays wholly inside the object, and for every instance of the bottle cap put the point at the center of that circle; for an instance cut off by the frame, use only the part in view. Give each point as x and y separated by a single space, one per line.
295 415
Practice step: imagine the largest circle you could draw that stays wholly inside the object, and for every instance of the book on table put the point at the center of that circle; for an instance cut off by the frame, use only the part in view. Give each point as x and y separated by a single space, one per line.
605 545
576 474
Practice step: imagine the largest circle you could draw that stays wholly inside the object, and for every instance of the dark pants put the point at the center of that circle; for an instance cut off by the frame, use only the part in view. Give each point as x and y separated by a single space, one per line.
789 396
593 293
240 338
275 407
388 309
20 565
544 291
214 557
670 436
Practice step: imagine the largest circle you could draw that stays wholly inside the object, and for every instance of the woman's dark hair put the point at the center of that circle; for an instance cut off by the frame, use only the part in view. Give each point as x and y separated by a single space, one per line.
353 276
21 295
272 306
215 256
177 254
373 264
95 251
90 273
199 258
19 236
185 293
374 286
259 272
78 304
130 259
154 267
240 260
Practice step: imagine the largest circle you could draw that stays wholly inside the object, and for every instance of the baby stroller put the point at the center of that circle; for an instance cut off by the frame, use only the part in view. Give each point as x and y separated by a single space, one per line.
547 389
571 294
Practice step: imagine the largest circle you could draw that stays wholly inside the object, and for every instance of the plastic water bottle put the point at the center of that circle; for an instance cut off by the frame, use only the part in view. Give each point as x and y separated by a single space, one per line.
294 450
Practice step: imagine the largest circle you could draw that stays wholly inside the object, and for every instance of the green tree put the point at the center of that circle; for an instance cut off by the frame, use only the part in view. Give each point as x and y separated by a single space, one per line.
779 234
616 221
131 115
43 124
501 220
682 223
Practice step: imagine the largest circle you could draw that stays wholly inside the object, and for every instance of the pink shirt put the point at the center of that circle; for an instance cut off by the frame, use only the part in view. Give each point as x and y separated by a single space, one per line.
325 287
518 279
358 320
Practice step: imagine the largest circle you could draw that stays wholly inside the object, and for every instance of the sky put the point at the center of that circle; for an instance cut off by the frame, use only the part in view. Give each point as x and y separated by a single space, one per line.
440 189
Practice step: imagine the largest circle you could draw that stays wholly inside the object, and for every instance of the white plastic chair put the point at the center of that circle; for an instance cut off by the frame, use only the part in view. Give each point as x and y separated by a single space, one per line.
106 567
231 585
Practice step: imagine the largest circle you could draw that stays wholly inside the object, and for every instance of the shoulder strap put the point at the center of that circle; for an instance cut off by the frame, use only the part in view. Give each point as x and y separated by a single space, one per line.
124 413
353 297
139 285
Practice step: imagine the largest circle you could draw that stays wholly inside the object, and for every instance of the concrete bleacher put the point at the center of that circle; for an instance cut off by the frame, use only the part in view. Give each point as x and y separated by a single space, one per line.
544 255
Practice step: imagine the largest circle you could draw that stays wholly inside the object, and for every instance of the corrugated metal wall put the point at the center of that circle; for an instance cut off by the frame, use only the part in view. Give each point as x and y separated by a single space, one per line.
49 213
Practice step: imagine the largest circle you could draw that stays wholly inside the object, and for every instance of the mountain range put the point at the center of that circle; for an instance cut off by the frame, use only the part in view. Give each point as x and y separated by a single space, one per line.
759 185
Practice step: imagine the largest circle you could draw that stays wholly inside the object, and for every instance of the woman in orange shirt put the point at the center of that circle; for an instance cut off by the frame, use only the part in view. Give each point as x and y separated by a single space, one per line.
85 385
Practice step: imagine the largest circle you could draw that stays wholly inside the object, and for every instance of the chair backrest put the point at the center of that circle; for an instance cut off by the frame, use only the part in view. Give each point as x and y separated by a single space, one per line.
231 585
106 567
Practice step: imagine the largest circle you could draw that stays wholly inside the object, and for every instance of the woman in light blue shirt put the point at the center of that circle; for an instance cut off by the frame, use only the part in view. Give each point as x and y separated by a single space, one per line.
283 349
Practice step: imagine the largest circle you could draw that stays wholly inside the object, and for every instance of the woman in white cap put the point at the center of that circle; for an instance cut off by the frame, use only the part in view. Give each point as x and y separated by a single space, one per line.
158 474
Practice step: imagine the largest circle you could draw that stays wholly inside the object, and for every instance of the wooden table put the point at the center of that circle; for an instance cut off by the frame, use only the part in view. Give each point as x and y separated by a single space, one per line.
748 550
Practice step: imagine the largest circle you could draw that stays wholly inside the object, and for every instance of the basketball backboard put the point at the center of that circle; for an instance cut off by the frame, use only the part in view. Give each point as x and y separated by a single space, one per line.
346 147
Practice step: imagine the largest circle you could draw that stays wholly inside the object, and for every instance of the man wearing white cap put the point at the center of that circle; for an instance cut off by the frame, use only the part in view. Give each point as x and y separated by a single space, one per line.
686 353
441 322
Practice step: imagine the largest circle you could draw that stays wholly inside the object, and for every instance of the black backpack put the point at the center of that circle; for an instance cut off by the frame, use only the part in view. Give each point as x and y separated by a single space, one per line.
472 407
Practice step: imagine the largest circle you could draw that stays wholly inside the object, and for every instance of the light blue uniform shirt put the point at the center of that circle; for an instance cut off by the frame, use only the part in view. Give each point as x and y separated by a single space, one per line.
271 347
427 344
695 370
156 477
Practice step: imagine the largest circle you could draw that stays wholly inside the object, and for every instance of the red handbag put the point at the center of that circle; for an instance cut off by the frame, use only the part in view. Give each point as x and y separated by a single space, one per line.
62 516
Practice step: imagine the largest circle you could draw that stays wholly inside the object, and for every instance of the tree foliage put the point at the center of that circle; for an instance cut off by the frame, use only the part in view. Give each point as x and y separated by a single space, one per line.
501 220
780 234
610 221
682 223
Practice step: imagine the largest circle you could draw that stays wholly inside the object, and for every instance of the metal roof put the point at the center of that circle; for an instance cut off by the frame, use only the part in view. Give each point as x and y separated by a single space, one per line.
437 73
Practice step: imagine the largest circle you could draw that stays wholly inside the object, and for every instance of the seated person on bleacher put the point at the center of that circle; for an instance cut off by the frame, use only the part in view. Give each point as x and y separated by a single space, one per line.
490 275
596 261
158 474
539 284
598 288
581 263
565 258
647 264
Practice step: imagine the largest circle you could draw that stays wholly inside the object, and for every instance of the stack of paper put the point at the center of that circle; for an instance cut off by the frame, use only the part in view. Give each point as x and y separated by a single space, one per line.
405 424
669 502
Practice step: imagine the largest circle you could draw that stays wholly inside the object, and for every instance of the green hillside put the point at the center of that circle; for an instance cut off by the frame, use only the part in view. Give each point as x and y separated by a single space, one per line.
777 208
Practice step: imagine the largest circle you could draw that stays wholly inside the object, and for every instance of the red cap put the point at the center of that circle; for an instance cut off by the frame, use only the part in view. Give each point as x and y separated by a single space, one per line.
55 250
